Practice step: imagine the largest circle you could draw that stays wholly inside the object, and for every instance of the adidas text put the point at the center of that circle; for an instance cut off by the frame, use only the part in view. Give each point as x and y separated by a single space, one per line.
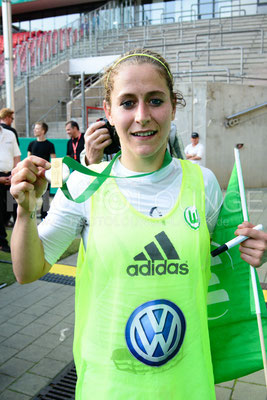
150 268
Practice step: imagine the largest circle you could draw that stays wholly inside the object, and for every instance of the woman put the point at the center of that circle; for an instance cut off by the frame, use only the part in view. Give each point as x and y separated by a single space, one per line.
143 269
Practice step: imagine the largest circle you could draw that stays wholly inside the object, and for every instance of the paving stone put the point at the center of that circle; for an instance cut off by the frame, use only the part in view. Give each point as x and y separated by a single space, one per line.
6 353
29 299
10 395
60 295
18 341
246 391
68 290
48 340
223 393
70 318
65 308
69 342
256 377
4 301
228 384
5 381
33 353
29 384
48 367
62 353
37 310
63 330
15 367
3 318
26 288
34 329
49 319
17 291
8 329
49 288
10 310
22 319
51 301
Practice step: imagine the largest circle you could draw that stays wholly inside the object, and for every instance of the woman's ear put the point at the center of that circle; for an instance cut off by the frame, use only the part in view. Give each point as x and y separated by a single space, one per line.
106 107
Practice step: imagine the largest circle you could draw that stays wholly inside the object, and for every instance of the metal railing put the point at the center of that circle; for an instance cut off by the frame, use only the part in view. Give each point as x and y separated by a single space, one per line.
213 72
234 119
209 50
232 32
107 25
98 28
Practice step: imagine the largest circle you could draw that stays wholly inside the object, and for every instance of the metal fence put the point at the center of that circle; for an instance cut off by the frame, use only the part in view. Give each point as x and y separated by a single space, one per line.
124 25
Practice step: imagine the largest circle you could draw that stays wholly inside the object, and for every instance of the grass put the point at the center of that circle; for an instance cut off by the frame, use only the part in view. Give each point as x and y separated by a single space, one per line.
6 271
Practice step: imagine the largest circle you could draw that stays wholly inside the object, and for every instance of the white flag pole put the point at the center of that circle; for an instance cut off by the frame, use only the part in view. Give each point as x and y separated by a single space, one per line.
252 269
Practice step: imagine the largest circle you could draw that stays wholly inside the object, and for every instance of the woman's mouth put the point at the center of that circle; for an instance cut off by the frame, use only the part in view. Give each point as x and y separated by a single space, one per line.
144 134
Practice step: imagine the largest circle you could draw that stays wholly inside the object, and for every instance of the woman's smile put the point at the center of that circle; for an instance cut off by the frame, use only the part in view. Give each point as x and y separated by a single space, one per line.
144 134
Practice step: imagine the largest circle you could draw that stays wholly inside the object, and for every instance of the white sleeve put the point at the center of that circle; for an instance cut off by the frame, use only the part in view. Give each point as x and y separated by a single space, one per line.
214 198
200 151
65 221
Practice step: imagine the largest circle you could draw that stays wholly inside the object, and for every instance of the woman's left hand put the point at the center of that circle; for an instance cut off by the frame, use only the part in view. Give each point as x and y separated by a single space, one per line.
253 248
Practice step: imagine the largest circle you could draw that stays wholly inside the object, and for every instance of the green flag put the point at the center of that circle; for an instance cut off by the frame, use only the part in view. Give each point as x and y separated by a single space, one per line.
234 336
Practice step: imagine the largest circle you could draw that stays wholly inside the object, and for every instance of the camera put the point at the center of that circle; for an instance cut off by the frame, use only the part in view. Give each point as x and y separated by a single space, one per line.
114 147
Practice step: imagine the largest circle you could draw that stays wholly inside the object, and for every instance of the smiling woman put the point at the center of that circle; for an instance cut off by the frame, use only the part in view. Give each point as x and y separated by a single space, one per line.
141 327
141 103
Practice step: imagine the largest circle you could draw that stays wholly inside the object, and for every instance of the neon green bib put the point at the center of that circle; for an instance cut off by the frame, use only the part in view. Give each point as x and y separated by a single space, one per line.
141 328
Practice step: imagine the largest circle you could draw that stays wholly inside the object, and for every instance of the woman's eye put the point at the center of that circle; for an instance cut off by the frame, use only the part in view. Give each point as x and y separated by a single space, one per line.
127 104
156 102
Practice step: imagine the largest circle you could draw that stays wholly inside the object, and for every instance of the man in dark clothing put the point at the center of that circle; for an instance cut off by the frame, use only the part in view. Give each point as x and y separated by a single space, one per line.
76 143
43 148
6 119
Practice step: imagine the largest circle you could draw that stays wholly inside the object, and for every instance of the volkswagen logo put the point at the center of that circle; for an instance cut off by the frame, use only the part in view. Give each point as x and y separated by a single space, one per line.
155 332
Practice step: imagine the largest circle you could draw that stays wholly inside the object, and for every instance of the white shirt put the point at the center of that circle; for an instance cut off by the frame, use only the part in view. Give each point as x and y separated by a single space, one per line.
8 150
197 150
153 195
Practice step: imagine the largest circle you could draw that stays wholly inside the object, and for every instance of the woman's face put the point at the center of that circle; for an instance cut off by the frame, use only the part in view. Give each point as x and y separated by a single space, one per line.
141 111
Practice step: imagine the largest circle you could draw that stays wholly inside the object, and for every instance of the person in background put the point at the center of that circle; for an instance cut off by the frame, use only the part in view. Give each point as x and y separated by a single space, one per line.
195 150
9 158
6 119
41 147
76 143
141 328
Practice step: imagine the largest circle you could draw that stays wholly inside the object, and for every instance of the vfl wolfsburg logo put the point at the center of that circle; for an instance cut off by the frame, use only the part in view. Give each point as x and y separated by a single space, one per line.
155 332
191 217
158 258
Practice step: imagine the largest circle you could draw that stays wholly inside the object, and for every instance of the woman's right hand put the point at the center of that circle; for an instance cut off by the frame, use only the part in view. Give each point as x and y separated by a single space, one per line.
28 182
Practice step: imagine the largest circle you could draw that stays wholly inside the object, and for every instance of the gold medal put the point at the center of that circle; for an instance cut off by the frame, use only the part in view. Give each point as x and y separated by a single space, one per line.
56 172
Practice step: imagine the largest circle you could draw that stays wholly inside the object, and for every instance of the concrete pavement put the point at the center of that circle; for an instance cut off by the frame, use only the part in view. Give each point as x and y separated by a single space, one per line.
36 332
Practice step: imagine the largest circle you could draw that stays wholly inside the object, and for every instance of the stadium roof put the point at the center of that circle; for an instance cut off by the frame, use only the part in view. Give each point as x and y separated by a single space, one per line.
23 10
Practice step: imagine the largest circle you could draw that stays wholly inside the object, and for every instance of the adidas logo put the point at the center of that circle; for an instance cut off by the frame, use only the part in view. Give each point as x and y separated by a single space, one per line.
157 260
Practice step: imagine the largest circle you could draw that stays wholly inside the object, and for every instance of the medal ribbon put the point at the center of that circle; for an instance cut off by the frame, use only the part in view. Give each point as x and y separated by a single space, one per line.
100 176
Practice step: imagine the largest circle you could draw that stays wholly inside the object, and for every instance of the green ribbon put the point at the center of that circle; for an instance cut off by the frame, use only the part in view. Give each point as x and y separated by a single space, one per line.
100 176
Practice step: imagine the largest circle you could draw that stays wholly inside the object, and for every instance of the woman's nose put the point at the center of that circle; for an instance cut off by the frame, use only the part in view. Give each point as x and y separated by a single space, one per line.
142 115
